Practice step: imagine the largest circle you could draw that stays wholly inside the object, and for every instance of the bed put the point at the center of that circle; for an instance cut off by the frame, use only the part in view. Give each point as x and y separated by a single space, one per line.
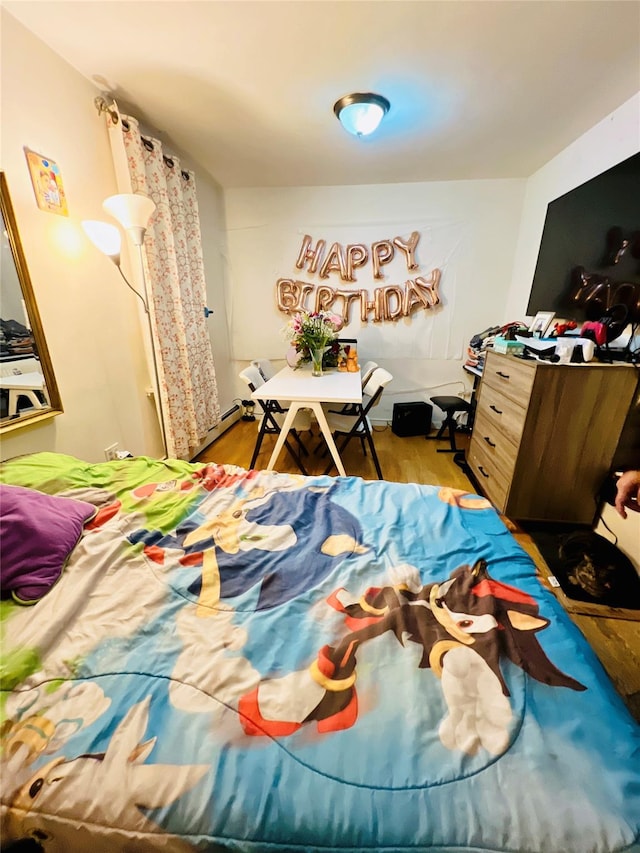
229 660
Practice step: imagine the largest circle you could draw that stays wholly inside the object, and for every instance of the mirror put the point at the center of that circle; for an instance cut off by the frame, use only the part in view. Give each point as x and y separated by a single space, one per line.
28 389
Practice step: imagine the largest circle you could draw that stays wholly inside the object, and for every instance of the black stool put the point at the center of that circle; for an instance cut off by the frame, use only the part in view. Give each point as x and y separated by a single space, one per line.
450 406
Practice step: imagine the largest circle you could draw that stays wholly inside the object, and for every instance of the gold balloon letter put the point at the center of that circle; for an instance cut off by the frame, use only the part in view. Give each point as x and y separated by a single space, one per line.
421 292
389 292
309 254
409 248
290 294
348 297
324 298
334 262
431 285
287 295
365 306
382 253
357 256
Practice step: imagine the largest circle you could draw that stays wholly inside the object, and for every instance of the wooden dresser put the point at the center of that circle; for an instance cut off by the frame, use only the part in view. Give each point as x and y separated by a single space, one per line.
545 434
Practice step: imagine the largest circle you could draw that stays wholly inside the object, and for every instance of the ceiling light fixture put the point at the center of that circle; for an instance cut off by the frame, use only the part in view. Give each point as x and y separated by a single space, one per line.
361 113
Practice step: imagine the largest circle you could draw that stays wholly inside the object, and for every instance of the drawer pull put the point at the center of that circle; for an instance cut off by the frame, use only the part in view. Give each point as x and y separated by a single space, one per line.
504 375
482 471
489 442
497 411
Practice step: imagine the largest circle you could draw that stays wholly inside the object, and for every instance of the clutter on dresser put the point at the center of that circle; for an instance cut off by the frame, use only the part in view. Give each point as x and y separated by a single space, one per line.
504 345
566 342
563 350
563 327
505 338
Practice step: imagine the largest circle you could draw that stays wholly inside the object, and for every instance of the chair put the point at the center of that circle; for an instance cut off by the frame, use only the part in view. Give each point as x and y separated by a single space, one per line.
273 415
358 425
350 408
366 371
450 406
266 368
267 371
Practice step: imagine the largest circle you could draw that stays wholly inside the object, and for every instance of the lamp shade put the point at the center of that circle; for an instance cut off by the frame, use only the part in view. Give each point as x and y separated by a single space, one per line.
104 237
361 113
132 211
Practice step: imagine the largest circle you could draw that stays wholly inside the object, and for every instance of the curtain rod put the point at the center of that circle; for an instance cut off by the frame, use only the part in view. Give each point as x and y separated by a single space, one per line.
148 144
103 107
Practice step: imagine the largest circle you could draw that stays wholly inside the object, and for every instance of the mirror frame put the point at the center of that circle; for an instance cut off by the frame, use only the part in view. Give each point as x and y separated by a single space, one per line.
55 404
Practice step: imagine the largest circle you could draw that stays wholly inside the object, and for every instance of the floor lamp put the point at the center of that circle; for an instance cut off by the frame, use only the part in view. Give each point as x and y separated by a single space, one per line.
133 212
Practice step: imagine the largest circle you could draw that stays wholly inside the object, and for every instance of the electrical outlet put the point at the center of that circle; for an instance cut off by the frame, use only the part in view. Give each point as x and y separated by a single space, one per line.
111 452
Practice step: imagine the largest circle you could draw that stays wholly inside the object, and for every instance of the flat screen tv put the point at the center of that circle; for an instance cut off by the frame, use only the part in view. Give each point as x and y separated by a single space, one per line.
591 246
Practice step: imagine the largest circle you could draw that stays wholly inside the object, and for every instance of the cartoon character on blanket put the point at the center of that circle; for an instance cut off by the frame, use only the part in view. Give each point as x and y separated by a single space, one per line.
464 625
127 785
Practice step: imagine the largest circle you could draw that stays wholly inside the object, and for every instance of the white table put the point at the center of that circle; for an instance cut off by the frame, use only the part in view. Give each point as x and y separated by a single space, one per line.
23 385
305 391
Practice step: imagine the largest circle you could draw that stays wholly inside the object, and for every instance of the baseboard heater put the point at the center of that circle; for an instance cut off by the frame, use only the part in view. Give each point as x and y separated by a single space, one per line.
226 420
229 412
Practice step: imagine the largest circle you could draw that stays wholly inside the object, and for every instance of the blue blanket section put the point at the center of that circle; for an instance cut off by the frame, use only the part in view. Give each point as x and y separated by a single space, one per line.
381 671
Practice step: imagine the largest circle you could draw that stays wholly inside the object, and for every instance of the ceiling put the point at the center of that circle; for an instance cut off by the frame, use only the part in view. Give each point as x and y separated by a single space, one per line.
478 89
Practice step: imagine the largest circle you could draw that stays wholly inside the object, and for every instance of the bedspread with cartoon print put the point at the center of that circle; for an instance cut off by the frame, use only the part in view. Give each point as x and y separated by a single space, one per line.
252 661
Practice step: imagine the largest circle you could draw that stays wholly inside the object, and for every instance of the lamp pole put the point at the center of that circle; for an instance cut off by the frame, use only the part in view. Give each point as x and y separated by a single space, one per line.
157 395
137 239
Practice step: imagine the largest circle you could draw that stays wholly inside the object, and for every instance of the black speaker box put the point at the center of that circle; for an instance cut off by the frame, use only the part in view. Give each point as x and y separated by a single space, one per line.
411 419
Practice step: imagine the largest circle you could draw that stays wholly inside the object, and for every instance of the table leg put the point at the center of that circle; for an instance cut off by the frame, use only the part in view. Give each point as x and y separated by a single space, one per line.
33 399
326 432
286 426
16 393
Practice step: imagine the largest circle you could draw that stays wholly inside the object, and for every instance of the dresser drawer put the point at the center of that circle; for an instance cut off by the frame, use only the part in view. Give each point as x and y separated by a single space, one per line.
494 484
505 415
509 376
494 445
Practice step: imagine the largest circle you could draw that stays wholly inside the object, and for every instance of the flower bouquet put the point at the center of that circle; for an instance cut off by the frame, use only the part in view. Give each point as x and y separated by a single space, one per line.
313 337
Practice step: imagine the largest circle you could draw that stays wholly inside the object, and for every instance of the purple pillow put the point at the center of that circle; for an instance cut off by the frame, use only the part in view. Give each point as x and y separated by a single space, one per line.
37 534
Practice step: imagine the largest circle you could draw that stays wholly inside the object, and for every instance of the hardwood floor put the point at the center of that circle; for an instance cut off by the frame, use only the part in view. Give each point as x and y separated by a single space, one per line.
413 459
403 460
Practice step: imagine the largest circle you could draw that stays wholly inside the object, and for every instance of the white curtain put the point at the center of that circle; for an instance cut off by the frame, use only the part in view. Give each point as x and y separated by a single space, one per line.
175 283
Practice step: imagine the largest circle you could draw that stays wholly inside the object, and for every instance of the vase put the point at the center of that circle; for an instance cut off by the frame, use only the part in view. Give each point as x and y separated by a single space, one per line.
317 354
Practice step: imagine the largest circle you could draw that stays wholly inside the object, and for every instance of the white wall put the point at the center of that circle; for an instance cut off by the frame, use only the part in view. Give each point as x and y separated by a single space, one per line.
89 317
468 229
612 140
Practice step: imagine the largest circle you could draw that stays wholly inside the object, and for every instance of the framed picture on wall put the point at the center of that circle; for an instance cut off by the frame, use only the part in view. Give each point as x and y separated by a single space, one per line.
541 323
47 183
